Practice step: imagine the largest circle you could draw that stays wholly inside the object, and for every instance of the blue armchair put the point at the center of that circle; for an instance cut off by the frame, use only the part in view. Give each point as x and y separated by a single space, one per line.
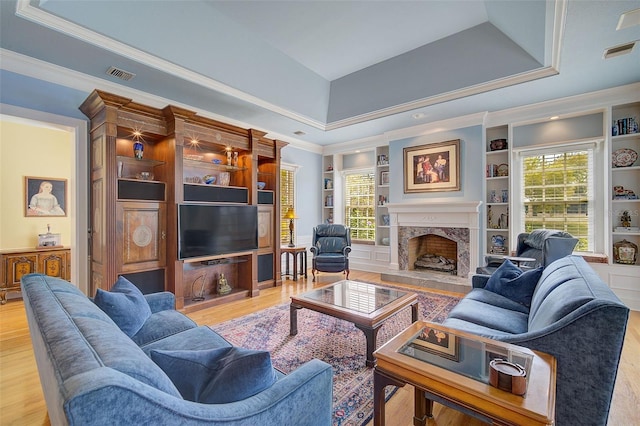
544 245
331 248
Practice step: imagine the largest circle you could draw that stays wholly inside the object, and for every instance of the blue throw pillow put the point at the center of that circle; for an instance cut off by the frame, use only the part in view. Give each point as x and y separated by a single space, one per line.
511 282
125 304
217 376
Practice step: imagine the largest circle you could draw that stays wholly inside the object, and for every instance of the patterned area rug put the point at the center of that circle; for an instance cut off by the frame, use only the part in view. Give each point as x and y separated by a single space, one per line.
334 341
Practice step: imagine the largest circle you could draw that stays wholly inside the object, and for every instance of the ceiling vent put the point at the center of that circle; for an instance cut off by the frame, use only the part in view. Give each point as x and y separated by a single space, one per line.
623 49
120 73
299 133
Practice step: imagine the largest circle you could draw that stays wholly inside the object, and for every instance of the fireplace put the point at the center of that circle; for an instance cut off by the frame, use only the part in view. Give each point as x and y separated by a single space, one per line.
448 242
447 229
432 252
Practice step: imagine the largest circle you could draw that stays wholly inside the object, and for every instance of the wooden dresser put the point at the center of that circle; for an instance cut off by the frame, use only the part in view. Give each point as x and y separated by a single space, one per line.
55 262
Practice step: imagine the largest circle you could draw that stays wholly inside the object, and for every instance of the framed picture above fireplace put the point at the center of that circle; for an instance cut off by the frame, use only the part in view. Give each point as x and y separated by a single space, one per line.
433 167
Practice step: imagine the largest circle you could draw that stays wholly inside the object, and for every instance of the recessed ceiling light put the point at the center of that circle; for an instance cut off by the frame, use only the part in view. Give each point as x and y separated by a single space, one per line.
622 49
418 115
299 133
629 19
555 117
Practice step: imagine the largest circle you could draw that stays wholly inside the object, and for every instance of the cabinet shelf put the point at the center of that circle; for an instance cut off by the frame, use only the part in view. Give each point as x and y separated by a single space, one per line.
139 161
212 166
214 300
626 137
625 169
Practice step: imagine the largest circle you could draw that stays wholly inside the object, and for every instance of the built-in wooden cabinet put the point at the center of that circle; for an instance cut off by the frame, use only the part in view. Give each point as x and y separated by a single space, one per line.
186 159
14 264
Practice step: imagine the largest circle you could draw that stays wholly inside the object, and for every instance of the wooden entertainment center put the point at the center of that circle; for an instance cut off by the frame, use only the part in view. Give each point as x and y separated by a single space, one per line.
134 198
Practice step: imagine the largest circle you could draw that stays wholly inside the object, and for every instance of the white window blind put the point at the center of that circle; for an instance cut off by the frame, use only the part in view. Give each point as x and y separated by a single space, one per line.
359 196
557 192
287 200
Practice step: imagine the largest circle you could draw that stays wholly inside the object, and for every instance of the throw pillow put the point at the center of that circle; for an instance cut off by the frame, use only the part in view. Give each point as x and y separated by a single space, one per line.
217 376
511 282
125 304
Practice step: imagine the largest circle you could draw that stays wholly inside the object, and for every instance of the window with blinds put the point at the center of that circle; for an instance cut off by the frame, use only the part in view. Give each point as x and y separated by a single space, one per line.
287 193
360 207
558 193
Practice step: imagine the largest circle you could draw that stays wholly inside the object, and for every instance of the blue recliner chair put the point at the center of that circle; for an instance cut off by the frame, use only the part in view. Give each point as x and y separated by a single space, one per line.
331 248
544 245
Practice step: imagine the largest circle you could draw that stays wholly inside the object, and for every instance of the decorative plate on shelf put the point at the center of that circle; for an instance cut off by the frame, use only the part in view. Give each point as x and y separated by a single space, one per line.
503 170
624 157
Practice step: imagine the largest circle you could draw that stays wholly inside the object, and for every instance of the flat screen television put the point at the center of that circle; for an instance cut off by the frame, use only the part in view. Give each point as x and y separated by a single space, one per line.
211 230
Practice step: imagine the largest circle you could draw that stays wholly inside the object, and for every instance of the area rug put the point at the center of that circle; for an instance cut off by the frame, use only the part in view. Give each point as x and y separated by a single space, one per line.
334 341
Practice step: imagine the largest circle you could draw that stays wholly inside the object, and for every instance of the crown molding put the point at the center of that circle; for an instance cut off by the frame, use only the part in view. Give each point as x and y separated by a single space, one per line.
446 97
570 105
461 122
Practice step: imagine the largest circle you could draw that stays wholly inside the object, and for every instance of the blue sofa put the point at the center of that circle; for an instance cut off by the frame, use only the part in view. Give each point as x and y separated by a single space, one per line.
94 374
573 316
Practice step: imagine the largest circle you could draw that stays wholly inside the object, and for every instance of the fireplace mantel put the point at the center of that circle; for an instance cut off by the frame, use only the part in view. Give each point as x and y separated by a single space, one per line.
443 214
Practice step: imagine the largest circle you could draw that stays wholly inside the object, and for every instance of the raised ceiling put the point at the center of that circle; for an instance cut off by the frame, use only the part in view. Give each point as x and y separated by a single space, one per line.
337 71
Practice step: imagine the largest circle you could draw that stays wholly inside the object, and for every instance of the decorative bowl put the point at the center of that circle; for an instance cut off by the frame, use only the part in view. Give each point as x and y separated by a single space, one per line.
261 185
209 179
216 161
624 157
498 144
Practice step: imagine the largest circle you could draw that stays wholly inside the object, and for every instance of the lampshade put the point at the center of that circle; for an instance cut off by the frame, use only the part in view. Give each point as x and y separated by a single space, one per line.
290 214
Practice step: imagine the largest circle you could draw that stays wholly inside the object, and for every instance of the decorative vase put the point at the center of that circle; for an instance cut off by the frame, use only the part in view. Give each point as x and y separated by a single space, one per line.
223 285
625 252
138 149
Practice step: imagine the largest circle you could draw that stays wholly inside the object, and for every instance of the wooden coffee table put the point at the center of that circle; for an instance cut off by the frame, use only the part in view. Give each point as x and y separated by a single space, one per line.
452 367
367 306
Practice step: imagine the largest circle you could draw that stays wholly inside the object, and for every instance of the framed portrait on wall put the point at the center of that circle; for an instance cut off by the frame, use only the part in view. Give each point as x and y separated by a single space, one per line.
432 167
45 197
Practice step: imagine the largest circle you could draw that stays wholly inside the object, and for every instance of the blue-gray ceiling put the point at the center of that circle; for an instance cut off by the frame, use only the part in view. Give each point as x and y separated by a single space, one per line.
337 71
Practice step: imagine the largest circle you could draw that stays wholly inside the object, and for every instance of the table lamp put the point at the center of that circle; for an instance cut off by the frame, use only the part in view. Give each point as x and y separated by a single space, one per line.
290 214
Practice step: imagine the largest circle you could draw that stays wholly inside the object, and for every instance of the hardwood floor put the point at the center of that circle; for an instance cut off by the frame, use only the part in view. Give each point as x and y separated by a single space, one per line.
22 402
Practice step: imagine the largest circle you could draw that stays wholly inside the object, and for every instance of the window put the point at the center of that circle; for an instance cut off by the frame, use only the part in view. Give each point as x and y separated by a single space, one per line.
287 199
360 205
558 192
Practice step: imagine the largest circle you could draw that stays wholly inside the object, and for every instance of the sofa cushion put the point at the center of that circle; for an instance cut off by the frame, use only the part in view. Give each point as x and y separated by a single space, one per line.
161 325
125 304
511 282
114 349
217 376
198 338
495 299
490 316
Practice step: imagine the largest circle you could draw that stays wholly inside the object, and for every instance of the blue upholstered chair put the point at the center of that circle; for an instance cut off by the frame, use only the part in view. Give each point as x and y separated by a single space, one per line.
331 247
544 245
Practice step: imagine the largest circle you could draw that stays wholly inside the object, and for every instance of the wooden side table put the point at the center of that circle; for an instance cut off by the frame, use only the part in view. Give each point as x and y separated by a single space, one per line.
300 251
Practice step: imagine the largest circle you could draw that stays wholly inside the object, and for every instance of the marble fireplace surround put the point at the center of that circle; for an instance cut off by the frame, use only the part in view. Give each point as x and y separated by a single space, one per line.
455 220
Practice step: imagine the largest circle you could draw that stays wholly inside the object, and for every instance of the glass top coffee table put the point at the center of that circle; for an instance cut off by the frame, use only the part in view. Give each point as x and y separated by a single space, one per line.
365 305
453 367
